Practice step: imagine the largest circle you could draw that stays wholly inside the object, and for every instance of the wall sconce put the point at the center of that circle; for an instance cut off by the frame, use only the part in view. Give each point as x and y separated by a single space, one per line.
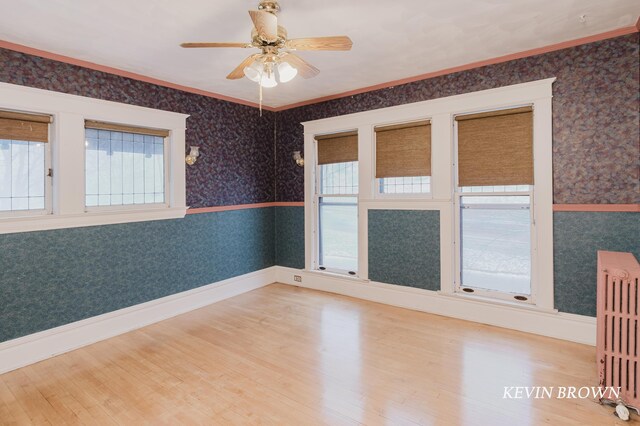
298 158
193 156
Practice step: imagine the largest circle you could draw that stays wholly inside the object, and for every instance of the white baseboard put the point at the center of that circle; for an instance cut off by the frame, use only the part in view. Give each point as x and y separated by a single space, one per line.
575 328
39 346
36 347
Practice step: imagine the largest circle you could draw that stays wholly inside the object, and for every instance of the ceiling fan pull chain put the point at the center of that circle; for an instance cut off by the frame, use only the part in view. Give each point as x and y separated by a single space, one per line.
260 85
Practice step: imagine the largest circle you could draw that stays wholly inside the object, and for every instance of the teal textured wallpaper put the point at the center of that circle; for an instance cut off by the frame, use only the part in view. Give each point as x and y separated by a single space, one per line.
395 237
52 278
290 236
404 247
577 238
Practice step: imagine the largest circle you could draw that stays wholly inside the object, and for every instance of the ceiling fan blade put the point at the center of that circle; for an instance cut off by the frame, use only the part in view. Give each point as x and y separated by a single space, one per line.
188 45
266 24
320 43
305 69
239 71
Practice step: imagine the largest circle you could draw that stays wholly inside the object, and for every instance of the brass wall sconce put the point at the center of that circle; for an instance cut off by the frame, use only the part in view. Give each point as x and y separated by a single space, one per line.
298 158
193 155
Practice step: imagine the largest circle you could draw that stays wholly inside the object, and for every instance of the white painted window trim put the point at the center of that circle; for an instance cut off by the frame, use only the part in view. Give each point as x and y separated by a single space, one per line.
68 152
442 111
316 195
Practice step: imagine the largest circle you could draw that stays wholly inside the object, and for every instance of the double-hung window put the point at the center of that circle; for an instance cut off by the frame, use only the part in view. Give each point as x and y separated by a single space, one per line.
403 158
24 164
494 196
124 165
336 198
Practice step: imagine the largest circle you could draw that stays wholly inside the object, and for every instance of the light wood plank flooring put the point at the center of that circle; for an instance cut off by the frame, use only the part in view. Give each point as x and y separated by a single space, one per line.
283 355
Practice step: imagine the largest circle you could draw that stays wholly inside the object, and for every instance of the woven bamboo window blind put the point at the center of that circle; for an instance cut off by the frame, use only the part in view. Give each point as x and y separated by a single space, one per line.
337 148
99 125
24 127
496 148
403 150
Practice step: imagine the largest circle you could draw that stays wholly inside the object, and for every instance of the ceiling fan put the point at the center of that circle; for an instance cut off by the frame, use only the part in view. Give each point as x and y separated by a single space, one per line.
276 55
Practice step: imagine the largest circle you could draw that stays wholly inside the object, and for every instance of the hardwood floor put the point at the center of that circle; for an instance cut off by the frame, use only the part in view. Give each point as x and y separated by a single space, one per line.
283 355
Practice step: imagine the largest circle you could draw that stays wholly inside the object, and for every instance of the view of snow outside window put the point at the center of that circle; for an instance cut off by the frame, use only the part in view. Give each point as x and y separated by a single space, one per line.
496 242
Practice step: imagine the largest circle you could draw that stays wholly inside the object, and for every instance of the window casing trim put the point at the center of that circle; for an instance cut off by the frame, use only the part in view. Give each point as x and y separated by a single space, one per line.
442 112
69 113
317 195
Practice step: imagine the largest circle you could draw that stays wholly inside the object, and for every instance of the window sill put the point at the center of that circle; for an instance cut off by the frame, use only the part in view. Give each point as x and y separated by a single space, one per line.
505 303
47 222
335 275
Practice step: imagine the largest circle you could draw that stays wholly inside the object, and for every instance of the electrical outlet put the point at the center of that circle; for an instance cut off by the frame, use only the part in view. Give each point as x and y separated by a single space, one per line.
297 278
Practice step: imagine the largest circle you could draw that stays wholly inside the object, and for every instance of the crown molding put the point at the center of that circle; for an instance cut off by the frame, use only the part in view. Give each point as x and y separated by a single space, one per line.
505 58
513 56
122 73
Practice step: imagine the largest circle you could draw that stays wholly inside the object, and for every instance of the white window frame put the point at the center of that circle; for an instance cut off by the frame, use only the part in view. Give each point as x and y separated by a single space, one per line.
316 225
531 298
67 158
442 111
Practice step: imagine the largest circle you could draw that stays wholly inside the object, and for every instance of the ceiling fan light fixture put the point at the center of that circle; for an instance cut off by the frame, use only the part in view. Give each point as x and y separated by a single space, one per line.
268 80
254 71
286 72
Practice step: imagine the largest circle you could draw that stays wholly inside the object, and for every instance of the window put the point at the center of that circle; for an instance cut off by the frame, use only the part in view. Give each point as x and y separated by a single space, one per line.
405 185
123 165
496 243
476 169
24 159
65 164
337 200
494 198
403 158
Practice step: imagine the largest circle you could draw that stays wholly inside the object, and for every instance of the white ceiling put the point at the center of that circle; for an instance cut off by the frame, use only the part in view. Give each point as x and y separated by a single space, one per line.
391 39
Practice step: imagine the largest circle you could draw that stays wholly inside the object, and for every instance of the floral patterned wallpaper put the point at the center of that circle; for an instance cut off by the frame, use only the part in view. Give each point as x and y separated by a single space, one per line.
595 121
595 117
236 144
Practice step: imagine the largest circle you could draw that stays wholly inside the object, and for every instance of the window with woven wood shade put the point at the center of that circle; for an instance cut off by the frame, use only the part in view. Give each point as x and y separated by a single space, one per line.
496 148
24 127
337 148
403 150
99 125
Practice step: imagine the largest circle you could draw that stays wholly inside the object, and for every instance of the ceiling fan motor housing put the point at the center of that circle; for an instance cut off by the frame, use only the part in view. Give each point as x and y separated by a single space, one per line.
261 44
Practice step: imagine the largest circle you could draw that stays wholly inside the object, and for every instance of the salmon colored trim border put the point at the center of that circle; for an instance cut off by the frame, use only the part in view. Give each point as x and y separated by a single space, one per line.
245 206
532 52
553 47
116 71
634 208
596 208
